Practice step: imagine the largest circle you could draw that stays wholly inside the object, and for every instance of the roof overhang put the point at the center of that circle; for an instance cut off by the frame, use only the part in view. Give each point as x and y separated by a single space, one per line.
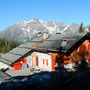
77 44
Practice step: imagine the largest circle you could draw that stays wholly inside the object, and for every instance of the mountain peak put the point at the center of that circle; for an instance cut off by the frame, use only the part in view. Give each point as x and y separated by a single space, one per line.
63 23
35 20
23 31
51 21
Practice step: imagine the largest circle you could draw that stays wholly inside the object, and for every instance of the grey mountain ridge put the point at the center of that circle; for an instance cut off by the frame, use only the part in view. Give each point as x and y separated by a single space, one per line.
24 31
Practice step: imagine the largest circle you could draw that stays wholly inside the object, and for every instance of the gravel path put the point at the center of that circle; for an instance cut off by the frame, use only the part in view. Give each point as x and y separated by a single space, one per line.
22 72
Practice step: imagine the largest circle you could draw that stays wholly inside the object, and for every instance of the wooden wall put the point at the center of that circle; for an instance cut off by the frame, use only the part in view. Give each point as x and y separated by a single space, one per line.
82 54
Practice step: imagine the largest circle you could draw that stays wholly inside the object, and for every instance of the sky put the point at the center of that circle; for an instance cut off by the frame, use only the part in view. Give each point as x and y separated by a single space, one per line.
70 11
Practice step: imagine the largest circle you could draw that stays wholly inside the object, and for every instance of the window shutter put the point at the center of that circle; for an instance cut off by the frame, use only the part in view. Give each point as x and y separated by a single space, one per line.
47 62
80 48
88 46
43 61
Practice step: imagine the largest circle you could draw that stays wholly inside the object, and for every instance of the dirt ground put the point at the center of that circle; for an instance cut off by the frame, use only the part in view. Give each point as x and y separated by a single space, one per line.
22 72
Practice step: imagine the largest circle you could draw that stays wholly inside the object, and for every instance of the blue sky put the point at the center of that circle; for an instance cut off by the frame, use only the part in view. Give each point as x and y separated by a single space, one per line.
70 11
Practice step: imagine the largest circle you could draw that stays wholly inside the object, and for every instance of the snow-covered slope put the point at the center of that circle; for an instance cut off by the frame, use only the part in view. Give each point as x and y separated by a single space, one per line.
23 31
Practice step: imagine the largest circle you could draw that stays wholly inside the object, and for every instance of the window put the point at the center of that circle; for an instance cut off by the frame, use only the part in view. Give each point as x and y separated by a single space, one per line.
88 46
45 62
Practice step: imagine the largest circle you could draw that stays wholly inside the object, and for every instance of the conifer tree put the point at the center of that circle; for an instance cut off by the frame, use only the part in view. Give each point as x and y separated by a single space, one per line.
81 29
7 45
89 29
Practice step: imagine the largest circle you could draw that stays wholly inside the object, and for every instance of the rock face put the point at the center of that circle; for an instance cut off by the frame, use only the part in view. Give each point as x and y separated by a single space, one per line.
25 30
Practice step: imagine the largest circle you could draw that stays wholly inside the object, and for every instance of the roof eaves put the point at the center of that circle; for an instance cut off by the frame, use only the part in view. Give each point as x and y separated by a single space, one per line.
5 61
76 45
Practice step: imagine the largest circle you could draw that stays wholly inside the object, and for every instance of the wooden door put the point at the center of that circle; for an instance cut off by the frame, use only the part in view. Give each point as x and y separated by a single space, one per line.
34 60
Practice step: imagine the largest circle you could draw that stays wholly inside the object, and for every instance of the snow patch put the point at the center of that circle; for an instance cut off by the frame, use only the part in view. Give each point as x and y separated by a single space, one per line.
65 29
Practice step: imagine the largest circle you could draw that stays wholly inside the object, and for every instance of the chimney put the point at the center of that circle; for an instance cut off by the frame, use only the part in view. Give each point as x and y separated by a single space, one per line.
39 34
63 43
45 35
